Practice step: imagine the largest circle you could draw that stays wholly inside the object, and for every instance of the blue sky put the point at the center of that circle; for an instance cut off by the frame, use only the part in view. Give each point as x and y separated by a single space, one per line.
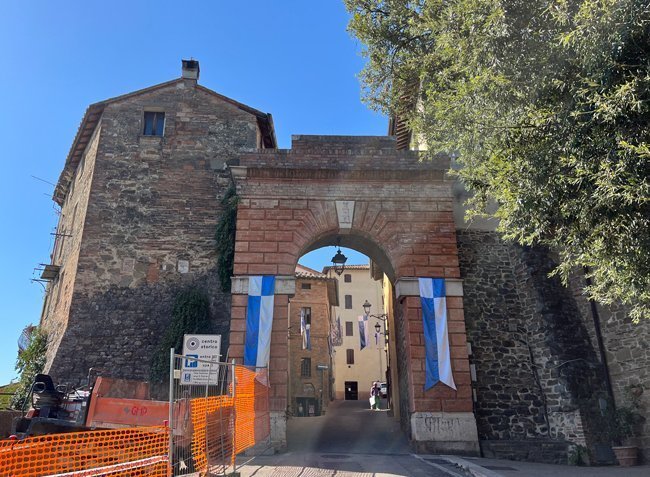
293 59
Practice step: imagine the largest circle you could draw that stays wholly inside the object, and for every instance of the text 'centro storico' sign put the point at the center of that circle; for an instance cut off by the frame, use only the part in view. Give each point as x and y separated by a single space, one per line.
205 349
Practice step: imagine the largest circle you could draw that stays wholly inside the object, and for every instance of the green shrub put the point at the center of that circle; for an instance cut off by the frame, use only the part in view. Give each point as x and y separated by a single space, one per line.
29 363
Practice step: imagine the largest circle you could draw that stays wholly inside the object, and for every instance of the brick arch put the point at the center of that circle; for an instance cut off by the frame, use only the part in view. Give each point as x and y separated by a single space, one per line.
357 240
386 203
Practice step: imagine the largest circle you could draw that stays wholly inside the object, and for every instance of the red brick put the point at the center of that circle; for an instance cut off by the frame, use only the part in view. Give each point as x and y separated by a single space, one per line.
456 327
433 272
241 246
460 364
279 214
417 351
415 338
284 269
456 314
262 269
278 258
238 312
263 247
240 269
247 257
249 235
243 224
443 261
454 302
279 236
236 338
247 214
237 325
452 273
264 225
458 352
457 405
239 300
458 340
427 405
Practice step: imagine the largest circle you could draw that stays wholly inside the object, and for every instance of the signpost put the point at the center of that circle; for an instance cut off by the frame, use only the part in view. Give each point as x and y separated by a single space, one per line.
205 349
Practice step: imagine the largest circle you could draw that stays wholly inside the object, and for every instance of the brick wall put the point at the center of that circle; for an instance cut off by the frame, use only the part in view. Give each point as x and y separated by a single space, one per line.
310 386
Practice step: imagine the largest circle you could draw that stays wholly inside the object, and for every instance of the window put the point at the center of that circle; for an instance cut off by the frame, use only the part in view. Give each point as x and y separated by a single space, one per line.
350 356
347 278
307 313
305 367
348 302
306 286
349 328
154 123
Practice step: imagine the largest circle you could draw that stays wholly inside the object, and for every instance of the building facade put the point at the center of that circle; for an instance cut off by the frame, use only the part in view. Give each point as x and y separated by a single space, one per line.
355 369
310 363
141 196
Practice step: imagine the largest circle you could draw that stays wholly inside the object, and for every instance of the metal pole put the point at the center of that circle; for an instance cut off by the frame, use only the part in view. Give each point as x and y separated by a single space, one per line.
171 406
234 419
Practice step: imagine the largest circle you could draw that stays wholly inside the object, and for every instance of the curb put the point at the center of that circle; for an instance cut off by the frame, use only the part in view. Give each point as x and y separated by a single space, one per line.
475 470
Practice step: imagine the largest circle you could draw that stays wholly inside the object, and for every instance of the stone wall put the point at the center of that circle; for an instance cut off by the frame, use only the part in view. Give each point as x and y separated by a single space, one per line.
149 228
536 368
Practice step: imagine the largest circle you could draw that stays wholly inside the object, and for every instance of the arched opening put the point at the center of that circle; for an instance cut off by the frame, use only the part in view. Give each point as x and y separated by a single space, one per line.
338 349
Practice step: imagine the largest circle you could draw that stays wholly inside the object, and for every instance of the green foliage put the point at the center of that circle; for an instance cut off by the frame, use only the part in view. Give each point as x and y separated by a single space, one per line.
624 420
546 105
578 455
191 314
30 362
225 237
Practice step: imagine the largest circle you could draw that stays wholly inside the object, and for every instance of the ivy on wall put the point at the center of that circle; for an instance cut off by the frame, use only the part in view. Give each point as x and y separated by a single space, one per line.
191 314
30 362
225 237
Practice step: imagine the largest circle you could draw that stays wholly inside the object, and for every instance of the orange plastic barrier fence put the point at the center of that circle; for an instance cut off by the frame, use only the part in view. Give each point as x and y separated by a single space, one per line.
213 423
119 452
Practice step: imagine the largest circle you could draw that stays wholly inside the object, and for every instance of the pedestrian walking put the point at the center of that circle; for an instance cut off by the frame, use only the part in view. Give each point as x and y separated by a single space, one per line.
375 396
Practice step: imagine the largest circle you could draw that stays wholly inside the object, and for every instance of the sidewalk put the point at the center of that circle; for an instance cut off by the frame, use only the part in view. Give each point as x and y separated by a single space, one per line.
479 467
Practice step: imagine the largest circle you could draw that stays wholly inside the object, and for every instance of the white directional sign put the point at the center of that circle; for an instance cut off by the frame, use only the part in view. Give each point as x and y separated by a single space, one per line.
205 349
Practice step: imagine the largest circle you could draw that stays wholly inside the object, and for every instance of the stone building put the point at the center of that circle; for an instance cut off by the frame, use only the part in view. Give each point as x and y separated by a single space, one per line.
356 369
140 199
310 369
140 196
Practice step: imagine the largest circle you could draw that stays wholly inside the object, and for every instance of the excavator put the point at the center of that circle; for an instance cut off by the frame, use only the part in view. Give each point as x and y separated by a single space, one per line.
106 403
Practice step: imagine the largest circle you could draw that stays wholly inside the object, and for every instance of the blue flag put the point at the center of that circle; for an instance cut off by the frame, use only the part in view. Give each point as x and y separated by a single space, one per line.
436 339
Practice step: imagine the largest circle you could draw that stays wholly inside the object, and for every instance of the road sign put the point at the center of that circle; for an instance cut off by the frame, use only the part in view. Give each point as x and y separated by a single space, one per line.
205 349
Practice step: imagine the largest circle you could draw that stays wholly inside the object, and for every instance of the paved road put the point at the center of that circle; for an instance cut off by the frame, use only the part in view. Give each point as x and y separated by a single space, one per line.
350 441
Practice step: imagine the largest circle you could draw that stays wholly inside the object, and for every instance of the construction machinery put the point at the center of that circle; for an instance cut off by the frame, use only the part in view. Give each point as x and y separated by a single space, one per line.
106 404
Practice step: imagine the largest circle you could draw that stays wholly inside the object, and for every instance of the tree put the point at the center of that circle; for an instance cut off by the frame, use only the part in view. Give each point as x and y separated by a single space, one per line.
546 105
30 362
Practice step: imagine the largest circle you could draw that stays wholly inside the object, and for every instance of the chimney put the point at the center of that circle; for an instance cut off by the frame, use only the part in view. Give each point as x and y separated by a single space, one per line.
190 69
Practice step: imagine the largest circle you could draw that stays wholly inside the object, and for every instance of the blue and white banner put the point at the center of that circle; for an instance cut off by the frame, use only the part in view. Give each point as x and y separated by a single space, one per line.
363 331
305 330
436 339
259 320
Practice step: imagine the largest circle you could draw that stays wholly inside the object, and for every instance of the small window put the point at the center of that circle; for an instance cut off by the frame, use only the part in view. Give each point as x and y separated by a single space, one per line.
347 278
348 302
154 123
307 313
305 367
306 286
350 356
349 328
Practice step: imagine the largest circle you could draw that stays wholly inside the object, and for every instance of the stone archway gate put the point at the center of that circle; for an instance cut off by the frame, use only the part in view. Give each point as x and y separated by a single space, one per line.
393 207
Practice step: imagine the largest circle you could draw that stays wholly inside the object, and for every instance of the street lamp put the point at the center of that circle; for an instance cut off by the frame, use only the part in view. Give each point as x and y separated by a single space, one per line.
383 317
338 260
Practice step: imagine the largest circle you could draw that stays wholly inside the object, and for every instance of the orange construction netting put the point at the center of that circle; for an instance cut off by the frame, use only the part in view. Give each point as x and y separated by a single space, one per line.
213 423
115 452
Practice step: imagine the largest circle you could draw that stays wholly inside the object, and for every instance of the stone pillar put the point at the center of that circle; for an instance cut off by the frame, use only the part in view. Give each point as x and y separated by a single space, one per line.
441 419
285 287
